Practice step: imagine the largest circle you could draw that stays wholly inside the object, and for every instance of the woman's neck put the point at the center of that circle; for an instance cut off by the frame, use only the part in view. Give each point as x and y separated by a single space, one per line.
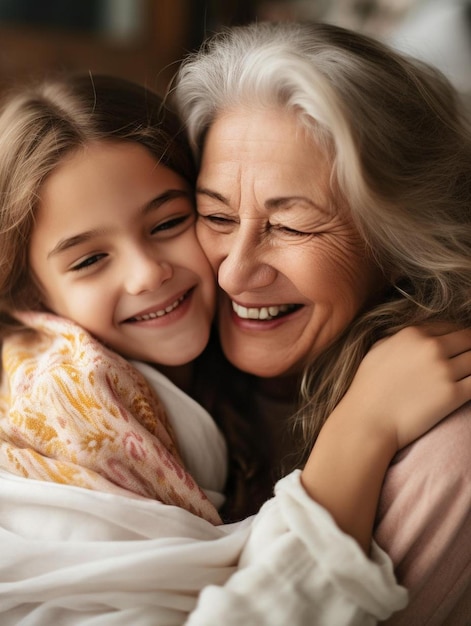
281 388
181 375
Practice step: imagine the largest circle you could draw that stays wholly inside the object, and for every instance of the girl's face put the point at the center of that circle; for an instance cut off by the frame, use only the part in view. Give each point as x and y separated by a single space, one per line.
114 249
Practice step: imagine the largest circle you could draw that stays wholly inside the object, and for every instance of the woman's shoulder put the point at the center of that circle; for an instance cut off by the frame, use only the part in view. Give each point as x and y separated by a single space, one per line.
426 494
424 522
437 462
445 448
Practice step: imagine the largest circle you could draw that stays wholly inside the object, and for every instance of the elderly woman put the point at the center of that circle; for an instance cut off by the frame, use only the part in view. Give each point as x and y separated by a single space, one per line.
334 201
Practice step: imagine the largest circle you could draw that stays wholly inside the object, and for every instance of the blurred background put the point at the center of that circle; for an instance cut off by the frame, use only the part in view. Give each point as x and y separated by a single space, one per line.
145 39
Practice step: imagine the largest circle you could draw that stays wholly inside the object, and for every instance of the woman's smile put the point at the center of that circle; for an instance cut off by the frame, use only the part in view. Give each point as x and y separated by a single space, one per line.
291 264
263 313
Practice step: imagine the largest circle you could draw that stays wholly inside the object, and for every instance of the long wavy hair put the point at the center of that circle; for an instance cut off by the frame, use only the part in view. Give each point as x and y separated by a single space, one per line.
40 124
400 146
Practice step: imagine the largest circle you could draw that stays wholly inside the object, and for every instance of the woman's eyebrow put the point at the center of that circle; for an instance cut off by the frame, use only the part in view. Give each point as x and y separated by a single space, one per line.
212 194
272 204
286 202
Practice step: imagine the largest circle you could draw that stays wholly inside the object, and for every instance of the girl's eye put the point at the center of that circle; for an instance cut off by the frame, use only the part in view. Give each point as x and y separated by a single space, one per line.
89 261
173 223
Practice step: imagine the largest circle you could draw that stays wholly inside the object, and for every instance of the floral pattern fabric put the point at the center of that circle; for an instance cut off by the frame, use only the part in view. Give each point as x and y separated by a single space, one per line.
74 412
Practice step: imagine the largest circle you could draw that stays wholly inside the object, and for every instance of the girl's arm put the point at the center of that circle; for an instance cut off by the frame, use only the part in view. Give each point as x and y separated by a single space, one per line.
139 561
403 387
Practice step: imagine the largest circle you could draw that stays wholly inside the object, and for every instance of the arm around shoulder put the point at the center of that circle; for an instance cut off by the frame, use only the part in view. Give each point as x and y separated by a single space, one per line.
299 568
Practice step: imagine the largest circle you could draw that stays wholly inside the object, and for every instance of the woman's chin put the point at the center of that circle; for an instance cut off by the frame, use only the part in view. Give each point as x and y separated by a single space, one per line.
263 365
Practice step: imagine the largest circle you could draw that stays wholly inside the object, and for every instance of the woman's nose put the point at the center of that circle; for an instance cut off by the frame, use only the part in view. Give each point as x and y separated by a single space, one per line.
145 272
244 266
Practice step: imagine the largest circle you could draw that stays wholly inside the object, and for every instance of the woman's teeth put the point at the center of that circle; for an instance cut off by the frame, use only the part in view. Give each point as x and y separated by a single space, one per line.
160 313
262 313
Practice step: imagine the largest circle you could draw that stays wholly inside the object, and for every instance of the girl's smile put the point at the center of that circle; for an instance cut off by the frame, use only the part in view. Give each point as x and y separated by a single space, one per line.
114 249
161 313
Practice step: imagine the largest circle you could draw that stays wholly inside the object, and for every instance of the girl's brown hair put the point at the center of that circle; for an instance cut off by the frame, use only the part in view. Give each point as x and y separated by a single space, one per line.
39 125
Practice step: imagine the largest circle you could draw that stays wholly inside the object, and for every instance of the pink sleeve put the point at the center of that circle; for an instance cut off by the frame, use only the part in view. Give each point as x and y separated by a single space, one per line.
424 524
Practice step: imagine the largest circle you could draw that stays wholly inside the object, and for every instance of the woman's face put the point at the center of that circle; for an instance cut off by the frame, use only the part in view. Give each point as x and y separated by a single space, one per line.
291 266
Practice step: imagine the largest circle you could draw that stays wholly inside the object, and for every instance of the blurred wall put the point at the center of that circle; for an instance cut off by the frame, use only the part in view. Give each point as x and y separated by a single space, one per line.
137 39
145 39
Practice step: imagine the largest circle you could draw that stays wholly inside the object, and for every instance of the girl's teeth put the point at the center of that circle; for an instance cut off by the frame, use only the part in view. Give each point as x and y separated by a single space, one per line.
160 313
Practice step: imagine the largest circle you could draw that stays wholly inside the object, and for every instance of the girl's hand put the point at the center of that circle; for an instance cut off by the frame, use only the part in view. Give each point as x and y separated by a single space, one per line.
403 387
410 381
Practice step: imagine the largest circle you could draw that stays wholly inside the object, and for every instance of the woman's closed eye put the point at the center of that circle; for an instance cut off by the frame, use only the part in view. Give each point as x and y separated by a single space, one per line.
291 232
217 220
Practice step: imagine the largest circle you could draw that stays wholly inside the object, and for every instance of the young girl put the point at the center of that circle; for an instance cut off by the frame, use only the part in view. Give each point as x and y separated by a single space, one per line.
100 259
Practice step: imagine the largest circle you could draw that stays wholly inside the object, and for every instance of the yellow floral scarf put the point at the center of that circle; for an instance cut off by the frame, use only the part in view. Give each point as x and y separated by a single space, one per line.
74 412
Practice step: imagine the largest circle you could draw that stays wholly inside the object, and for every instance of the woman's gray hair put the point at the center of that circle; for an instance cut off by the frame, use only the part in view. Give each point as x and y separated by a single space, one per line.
401 163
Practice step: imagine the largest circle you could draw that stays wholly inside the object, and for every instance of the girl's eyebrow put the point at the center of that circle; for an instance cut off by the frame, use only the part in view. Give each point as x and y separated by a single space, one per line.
75 240
166 196
70 242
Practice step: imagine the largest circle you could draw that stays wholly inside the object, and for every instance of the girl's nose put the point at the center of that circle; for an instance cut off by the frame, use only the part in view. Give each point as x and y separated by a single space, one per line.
146 273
